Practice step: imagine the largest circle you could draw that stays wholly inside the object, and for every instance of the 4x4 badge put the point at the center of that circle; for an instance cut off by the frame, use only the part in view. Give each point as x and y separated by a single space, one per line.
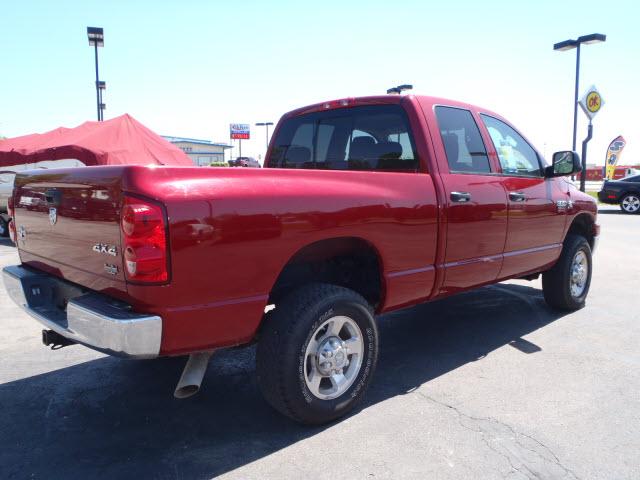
53 215
104 248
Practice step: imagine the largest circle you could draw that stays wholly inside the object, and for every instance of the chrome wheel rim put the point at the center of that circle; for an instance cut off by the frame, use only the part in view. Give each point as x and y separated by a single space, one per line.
333 357
631 203
579 274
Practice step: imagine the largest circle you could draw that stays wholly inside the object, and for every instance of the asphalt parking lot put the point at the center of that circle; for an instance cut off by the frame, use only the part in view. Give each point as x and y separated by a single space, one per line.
489 384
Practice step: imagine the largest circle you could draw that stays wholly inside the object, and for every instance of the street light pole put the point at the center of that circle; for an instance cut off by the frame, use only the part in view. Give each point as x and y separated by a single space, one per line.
265 124
575 99
96 39
569 45
266 146
101 87
97 85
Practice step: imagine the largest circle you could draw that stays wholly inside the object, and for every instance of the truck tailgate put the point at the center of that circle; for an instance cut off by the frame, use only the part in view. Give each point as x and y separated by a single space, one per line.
68 224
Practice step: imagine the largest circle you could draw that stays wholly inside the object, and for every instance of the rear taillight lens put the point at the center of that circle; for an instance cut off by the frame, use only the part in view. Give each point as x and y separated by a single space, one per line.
144 241
12 223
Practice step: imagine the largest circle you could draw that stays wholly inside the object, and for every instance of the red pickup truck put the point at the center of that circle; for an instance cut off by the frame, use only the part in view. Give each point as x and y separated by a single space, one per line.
366 205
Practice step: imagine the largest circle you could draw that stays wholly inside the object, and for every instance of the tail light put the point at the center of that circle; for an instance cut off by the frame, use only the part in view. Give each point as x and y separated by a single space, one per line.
12 224
144 241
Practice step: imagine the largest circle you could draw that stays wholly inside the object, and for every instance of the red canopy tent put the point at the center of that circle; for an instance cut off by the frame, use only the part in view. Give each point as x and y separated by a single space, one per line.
119 141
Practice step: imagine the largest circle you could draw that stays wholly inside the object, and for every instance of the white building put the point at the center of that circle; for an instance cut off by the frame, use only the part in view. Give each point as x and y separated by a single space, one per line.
202 152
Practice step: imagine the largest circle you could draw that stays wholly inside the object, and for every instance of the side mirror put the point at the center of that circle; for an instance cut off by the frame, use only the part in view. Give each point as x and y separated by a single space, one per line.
564 163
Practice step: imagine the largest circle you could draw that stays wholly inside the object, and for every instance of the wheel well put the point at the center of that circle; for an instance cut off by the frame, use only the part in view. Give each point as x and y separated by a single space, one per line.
583 225
349 262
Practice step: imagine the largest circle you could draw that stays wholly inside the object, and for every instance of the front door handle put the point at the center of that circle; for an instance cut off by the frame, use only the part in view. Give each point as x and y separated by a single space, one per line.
517 196
460 197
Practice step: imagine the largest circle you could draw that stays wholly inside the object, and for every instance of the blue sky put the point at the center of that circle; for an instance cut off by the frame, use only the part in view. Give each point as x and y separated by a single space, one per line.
190 68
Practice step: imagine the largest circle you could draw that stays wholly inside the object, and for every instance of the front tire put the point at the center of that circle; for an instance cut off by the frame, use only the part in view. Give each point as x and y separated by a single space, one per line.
566 285
630 203
317 353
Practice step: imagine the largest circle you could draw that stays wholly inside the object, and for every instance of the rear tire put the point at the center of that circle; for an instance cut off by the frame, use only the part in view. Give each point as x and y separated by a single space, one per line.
566 285
317 353
630 203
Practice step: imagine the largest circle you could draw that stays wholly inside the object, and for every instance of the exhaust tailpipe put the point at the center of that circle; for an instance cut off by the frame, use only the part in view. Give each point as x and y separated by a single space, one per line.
55 340
192 374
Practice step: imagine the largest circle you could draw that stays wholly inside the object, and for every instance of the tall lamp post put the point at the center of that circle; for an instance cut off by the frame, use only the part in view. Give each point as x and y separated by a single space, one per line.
96 39
101 87
265 124
569 45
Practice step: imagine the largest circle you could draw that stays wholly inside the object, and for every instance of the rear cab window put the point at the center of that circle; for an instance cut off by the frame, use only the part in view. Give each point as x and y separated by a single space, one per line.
373 137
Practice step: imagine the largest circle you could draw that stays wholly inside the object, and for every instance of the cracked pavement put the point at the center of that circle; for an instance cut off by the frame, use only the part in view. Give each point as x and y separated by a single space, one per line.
526 456
487 385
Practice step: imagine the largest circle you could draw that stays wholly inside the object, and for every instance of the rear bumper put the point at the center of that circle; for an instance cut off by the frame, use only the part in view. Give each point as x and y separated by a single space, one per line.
604 197
89 318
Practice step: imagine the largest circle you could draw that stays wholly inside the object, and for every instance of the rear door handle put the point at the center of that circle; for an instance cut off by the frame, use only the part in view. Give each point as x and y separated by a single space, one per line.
517 196
460 197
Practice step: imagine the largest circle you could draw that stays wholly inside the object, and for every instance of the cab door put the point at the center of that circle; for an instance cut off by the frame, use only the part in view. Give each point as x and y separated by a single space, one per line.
536 222
476 203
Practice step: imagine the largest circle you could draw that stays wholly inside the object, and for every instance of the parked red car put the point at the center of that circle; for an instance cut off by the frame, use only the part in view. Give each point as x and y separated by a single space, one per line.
367 205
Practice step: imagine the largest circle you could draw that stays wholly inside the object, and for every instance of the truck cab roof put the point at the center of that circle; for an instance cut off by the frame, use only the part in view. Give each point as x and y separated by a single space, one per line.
384 100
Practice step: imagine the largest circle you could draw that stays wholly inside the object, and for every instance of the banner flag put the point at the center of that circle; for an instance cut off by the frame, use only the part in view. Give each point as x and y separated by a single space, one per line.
613 155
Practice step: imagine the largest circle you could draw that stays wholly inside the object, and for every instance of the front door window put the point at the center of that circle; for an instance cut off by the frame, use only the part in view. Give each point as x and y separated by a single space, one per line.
516 156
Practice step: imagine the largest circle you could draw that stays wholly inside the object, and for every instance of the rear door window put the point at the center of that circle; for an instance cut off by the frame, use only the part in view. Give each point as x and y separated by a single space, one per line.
359 138
462 141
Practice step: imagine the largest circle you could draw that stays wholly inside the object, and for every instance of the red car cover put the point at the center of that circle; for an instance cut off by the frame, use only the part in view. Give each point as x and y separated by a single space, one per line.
118 141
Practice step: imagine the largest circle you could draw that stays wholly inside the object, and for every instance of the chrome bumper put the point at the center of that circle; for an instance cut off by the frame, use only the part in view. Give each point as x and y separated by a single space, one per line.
91 319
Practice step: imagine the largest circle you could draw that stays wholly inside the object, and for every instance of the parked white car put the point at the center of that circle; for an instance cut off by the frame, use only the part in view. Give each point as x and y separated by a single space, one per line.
7 175
6 186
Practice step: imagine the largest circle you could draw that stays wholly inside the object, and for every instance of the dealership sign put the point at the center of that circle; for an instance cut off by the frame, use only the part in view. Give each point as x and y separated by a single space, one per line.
591 102
239 131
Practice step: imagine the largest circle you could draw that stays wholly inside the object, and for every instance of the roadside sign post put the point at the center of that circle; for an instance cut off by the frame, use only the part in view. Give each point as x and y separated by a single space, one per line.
239 131
583 173
591 103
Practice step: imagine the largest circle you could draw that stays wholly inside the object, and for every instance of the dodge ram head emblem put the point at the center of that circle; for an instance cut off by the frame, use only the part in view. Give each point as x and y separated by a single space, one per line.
110 269
53 215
